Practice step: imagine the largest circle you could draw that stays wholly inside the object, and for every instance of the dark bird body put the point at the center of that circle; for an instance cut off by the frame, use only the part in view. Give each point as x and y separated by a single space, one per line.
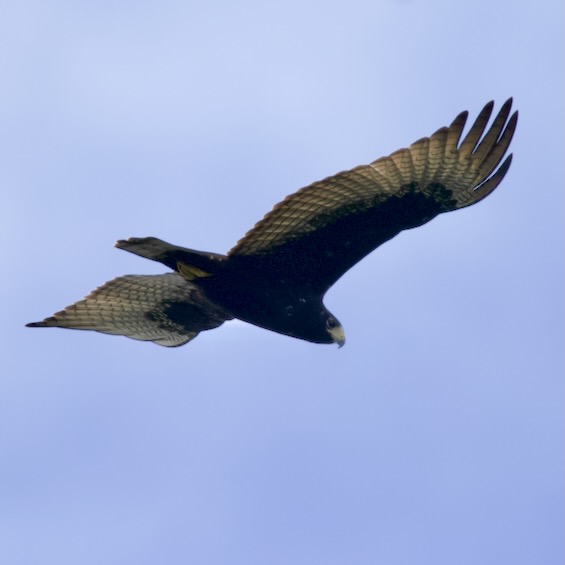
277 274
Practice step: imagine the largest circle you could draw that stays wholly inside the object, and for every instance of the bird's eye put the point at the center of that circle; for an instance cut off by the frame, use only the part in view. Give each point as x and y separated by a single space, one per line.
331 323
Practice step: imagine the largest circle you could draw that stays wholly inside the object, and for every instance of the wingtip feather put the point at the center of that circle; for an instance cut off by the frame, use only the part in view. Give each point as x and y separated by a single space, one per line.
491 183
469 143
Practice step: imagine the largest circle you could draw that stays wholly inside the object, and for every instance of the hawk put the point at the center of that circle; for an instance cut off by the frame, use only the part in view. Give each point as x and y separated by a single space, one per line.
276 276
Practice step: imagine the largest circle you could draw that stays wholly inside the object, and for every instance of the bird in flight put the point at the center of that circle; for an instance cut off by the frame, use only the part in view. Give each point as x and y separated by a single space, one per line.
276 276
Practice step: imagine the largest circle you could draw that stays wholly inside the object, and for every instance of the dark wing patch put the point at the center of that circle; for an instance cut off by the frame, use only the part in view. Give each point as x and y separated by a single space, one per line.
165 309
319 258
434 175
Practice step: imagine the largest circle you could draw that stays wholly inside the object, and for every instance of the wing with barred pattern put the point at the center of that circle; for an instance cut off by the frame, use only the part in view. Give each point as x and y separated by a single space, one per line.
322 230
165 309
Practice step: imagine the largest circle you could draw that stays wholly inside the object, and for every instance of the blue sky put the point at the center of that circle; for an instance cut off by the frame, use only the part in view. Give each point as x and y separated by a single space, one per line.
434 436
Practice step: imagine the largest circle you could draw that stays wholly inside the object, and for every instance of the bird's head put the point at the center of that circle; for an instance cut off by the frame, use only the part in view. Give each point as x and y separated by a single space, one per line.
335 330
315 324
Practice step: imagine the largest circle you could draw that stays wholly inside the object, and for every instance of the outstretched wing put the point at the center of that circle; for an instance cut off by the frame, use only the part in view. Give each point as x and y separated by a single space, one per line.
318 233
165 309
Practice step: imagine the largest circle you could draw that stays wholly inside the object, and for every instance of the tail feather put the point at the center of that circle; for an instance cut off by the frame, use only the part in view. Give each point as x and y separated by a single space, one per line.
171 255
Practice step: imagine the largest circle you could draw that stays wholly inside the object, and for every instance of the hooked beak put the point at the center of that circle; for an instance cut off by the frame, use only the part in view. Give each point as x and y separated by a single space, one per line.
338 335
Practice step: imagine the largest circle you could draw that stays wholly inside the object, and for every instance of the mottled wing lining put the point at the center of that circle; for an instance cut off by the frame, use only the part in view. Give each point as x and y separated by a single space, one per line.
468 171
